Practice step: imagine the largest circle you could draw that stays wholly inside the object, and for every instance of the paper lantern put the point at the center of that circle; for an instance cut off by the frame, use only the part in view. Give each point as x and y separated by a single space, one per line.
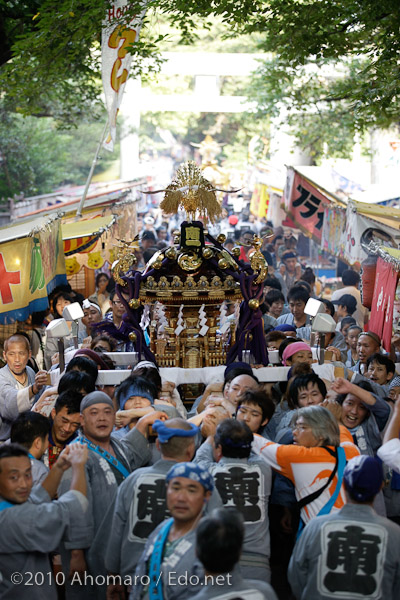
368 273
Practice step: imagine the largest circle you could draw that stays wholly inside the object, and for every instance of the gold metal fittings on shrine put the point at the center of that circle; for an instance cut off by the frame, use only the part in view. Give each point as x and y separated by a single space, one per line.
134 303
207 253
125 260
189 261
254 304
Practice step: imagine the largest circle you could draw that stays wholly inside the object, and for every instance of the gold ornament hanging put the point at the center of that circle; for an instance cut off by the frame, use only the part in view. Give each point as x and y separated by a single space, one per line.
191 191
254 304
134 303
125 261
257 261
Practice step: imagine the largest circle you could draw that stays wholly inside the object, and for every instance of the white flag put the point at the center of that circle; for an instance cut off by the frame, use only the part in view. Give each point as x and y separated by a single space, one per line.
116 59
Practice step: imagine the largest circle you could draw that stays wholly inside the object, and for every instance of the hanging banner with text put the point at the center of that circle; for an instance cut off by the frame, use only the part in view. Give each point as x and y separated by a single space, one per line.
381 320
118 35
305 204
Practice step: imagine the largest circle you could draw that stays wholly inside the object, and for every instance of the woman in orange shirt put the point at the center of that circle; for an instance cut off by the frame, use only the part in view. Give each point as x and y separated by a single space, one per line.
311 462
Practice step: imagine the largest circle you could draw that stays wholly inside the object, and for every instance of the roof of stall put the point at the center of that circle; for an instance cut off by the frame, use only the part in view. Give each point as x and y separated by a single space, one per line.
15 231
326 180
67 200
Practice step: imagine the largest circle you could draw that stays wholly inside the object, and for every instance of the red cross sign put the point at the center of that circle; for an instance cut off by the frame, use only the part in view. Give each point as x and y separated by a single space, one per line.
6 278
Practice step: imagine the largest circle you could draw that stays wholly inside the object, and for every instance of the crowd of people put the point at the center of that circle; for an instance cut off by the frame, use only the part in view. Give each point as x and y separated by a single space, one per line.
286 490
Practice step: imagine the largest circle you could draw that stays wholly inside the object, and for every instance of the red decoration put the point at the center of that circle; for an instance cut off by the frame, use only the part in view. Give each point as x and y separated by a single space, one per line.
6 278
368 274
381 321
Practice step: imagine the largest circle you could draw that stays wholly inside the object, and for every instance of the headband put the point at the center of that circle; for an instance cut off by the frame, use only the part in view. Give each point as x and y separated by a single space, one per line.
372 335
292 349
193 471
395 382
145 364
87 304
166 433
134 390
238 444
237 365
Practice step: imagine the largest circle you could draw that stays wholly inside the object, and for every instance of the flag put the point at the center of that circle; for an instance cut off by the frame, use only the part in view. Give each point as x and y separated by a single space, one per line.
259 200
116 59
305 204
381 320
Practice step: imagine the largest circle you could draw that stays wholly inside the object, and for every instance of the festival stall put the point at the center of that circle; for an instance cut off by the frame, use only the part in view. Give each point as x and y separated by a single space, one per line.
347 231
338 226
89 243
31 266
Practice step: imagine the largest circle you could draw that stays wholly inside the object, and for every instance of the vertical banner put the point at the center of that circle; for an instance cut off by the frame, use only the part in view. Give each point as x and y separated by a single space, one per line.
52 254
264 202
381 320
333 230
118 35
305 204
259 201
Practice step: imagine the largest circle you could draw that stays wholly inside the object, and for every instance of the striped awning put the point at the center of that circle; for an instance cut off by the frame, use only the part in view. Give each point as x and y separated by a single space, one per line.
82 236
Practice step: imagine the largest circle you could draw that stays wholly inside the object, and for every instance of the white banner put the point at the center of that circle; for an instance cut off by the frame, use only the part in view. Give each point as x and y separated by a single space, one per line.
356 226
116 60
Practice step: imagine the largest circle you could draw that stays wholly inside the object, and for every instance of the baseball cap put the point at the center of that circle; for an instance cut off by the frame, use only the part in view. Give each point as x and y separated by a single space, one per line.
348 301
363 477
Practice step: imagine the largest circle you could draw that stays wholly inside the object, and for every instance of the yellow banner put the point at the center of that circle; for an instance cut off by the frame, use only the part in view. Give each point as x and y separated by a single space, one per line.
30 268
259 201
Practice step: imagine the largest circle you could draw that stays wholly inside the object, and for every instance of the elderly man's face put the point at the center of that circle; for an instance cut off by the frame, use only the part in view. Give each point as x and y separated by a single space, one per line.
16 357
303 435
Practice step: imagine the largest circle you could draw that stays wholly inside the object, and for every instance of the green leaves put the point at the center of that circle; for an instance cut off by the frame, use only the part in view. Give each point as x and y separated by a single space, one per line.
50 52
37 158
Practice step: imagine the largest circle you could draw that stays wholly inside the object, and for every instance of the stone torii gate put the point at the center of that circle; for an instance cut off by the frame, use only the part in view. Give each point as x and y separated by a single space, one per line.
206 68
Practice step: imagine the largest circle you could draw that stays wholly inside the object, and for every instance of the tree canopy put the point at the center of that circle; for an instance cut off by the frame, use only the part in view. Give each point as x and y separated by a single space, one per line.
36 157
334 65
